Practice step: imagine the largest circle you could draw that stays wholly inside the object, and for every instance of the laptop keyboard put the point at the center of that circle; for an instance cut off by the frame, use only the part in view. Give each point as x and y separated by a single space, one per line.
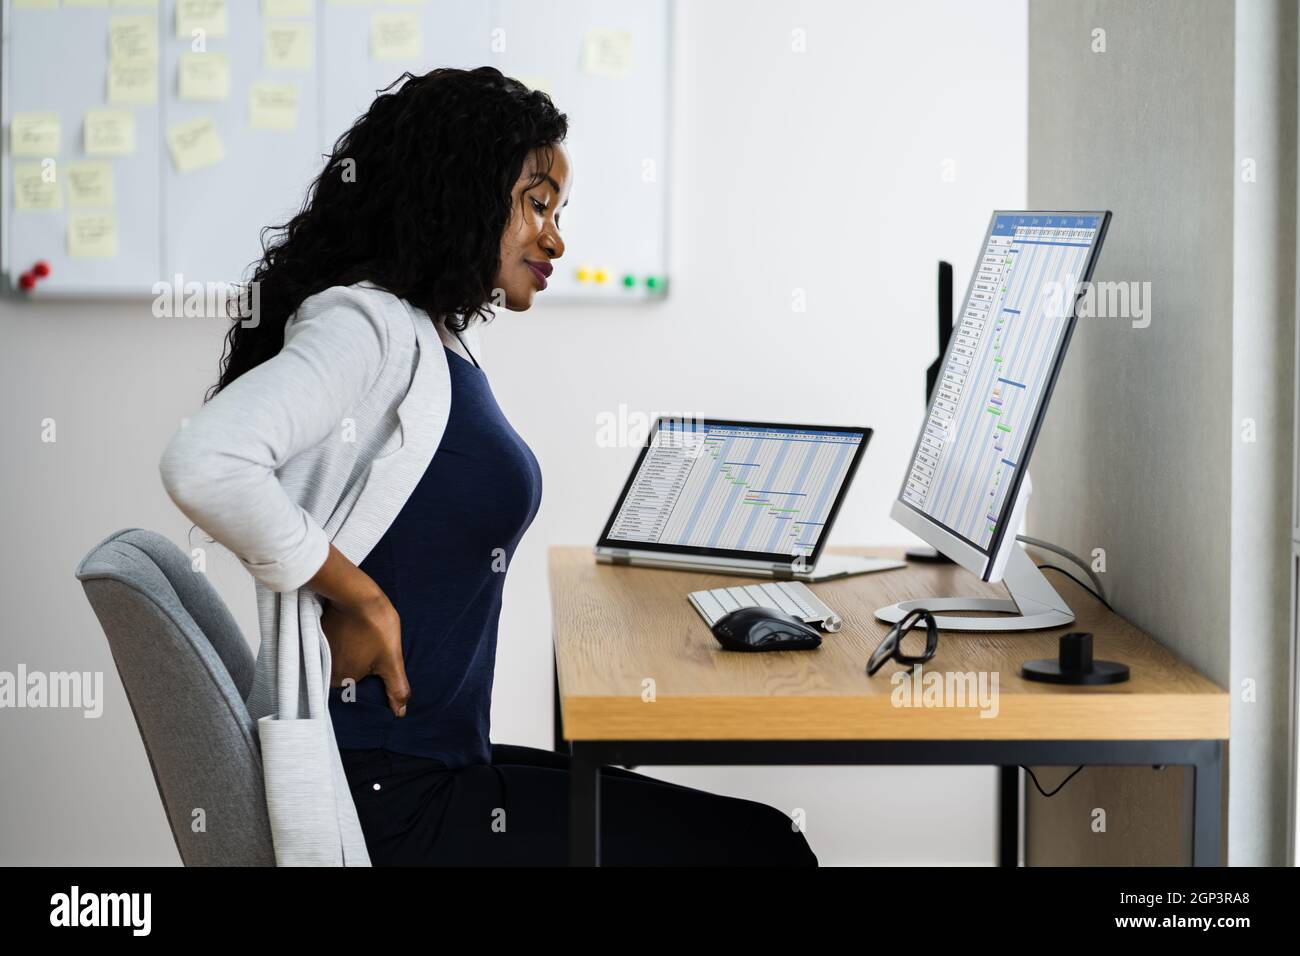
793 597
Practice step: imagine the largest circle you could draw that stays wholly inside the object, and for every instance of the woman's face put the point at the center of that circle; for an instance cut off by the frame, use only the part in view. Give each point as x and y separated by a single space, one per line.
532 236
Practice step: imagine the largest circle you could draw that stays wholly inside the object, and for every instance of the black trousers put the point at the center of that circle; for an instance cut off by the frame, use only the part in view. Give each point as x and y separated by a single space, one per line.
515 812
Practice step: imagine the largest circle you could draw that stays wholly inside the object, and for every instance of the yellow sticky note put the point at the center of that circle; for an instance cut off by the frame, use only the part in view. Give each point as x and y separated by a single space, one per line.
134 83
395 36
34 134
286 46
132 38
36 187
90 184
195 144
607 52
109 132
286 8
92 236
535 82
273 106
206 15
203 76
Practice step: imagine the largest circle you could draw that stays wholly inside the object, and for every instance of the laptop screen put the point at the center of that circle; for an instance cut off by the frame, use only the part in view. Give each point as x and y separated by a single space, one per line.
736 489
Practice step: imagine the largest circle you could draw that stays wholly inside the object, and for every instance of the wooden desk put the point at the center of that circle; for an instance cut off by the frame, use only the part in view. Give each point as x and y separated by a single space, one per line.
620 631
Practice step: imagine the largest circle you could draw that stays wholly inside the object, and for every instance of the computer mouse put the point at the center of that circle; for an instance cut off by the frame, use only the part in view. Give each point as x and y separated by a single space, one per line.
764 629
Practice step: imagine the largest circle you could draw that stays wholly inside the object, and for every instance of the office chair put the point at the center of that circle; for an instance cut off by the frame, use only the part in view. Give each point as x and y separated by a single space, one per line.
187 672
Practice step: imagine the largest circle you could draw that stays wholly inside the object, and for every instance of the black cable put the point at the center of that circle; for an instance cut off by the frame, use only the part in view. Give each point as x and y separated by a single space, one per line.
1054 567
1058 789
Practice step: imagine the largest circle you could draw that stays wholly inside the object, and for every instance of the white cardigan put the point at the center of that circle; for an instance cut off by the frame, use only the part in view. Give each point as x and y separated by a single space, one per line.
323 442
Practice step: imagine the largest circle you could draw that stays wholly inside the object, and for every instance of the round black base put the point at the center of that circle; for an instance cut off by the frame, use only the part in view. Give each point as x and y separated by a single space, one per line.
927 556
1049 672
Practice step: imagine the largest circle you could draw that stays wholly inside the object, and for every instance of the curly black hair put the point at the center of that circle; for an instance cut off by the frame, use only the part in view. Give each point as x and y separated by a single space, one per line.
413 198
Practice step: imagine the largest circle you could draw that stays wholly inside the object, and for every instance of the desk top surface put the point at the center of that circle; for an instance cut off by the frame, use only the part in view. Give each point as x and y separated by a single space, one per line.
636 662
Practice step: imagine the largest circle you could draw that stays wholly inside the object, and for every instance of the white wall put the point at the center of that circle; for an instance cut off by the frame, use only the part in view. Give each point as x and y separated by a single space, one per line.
1170 446
1263 395
820 171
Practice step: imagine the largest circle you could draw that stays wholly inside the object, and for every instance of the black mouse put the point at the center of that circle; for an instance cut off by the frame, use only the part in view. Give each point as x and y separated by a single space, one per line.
764 629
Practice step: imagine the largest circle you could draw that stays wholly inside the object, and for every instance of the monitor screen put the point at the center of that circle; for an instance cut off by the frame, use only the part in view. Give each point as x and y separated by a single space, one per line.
998 373
742 489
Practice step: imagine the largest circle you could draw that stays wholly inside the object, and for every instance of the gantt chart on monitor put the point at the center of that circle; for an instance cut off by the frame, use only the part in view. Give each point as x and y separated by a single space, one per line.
997 372
745 488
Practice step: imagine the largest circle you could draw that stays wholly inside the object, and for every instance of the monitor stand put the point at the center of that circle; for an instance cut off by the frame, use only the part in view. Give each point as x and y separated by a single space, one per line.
1034 603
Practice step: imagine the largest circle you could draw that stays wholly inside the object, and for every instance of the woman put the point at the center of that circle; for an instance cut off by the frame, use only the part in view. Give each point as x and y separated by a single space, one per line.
442 203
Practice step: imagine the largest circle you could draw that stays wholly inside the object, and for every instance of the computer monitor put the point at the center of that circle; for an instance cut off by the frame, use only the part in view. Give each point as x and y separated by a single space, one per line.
753 496
967 483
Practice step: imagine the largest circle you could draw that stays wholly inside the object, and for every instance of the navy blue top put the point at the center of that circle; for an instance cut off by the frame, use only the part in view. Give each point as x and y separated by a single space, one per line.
442 563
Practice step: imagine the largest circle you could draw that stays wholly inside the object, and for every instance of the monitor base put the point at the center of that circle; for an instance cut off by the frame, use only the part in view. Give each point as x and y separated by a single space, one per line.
1033 606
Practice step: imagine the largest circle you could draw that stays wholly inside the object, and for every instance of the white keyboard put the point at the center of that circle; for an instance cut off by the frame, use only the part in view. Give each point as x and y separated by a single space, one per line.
793 597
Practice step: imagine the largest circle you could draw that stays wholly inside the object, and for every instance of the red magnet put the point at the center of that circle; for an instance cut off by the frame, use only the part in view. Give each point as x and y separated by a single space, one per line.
42 269
27 282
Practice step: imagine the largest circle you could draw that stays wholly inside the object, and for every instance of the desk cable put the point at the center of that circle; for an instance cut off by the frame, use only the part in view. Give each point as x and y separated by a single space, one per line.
1058 787
1099 593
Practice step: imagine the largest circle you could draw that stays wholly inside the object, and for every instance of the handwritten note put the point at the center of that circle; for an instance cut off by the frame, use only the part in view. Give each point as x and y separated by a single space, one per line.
194 145
36 187
34 134
133 39
209 16
395 36
535 82
92 236
109 132
90 184
286 8
273 106
135 84
286 46
607 52
203 76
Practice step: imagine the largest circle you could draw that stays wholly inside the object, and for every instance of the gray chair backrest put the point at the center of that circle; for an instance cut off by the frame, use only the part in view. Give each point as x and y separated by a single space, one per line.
187 672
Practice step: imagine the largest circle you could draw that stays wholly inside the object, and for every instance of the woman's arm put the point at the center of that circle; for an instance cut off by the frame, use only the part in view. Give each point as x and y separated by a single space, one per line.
220 466
220 470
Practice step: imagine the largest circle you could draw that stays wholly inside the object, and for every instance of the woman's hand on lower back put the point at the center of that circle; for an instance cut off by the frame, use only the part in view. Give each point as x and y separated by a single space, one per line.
365 638
362 627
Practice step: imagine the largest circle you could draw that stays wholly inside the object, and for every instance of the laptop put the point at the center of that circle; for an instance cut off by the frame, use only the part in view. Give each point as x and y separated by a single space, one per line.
758 498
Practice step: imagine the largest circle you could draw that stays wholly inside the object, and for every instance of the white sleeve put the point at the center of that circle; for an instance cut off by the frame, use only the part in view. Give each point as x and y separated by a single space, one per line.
220 466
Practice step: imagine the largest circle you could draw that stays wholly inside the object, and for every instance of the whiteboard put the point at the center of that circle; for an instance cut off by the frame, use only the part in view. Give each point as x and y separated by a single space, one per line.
206 225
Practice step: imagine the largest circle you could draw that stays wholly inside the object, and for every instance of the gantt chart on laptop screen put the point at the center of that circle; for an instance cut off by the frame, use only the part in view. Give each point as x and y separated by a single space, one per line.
742 488
997 372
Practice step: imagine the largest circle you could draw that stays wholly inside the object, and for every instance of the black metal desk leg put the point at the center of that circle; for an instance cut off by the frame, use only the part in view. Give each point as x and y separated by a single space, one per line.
1207 805
584 809
1008 816
558 744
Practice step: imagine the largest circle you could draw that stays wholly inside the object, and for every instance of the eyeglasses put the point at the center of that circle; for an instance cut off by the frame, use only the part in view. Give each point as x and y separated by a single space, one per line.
892 645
